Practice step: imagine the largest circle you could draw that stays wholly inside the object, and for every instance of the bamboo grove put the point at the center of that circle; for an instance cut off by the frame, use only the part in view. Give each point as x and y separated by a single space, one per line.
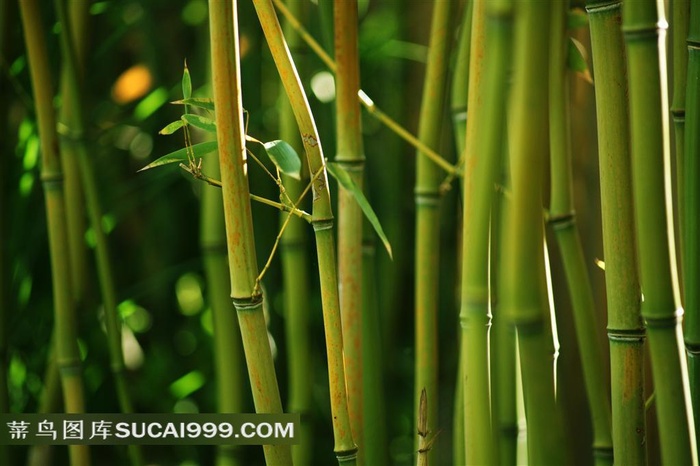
460 232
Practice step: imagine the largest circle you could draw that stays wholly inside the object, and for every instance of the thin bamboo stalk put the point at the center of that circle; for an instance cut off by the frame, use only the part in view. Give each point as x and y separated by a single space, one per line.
73 123
562 219
427 198
644 29
295 270
223 20
692 207
350 156
524 295
67 355
626 332
487 104
322 221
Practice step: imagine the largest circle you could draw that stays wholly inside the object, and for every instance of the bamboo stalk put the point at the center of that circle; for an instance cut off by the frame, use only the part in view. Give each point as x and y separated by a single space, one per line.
562 219
350 156
644 29
322 221
247 300
626 332
295 270
691 232
427 198
67 355
524 295
487 104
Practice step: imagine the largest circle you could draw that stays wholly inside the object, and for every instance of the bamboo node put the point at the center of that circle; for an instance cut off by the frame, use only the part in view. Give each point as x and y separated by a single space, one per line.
633 335
562 221
322 224
693 349
250 303
51 179
666 321
603 7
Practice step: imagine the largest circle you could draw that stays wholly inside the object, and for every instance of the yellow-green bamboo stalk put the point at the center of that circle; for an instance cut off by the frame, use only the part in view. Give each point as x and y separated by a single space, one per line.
644 28
350 156
67 355
524 298
484 143
562 219
295 270
427 196
626 331
322 220
691 232
243 269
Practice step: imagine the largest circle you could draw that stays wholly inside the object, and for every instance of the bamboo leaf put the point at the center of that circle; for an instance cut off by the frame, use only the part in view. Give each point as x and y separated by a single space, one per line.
577 18
347 182
284 157
577 60
172 127
197 150
186 83
200 102
203 123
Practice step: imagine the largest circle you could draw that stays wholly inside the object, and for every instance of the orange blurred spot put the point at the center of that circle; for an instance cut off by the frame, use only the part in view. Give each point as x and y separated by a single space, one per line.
132 84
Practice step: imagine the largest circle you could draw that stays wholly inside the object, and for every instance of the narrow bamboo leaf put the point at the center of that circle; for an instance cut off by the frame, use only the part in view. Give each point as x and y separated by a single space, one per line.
577 60
172 127
347 182
285 157
577 18
203 123
186 83
198 150
200 102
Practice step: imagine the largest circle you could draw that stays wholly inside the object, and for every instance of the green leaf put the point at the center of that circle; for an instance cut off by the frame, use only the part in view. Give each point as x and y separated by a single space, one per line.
204 123
285 157
172 127
577 60
200 102
186 83
576 19
347 182
197 150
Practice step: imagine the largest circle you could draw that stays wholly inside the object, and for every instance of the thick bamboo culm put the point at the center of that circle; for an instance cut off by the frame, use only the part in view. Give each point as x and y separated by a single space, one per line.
295 268
562 219
223 20
427 196
350 156
626 332
67 355
522 279
691 225
644 31
322 221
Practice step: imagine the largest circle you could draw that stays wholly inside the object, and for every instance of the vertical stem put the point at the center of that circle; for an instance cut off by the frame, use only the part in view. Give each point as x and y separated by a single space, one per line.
223 19
67 355
322 220
644 27
523 277
692 207
350 156
562 218
427 194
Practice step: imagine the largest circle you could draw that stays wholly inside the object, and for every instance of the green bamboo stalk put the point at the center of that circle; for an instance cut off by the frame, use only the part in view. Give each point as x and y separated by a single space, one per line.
295 270
350 156
692 207
49 402
427 196
644 27
228 350
626 331
67 355
322 220
562 219
72 122
223 20
487 102
524 295
679 32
